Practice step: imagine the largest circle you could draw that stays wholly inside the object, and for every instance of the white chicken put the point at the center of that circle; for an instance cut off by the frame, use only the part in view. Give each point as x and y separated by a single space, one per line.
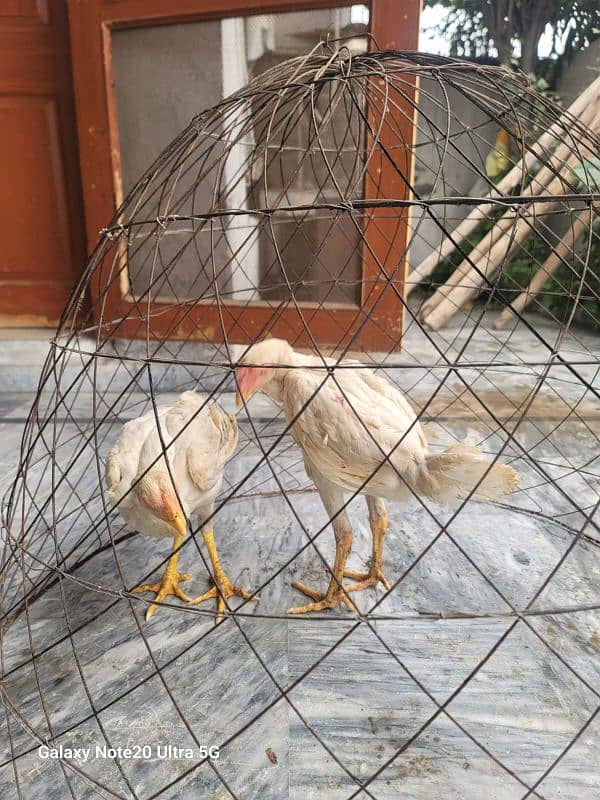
198 440
358 433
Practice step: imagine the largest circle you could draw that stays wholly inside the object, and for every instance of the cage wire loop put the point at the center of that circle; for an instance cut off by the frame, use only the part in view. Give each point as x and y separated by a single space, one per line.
430 255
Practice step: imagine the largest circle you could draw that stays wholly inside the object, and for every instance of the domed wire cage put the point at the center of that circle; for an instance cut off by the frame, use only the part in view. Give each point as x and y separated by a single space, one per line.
341 202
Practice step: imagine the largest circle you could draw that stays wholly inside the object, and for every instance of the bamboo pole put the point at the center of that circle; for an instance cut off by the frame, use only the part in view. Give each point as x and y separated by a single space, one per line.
562 158
459 295
497 255
466 281
547 269
582 108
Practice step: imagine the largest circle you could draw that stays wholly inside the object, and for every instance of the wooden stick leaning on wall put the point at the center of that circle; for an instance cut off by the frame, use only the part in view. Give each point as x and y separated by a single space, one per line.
472 281
582 108
467 280
499 252
548 268
496 249
497 256
545 182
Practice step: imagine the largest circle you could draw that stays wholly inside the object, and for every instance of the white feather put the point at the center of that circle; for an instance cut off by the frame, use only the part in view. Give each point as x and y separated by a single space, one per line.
357 430
198 440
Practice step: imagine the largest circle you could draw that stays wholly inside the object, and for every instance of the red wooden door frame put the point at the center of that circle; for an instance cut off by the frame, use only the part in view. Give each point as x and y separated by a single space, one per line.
43 243
394 25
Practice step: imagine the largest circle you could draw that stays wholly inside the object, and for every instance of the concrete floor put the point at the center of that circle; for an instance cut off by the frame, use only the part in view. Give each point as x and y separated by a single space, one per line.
437 692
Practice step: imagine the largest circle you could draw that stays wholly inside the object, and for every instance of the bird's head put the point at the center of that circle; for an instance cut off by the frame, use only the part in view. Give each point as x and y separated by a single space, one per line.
259 366
155 491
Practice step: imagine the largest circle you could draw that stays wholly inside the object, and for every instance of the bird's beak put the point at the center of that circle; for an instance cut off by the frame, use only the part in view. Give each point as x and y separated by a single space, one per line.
242 397
174 515
180 523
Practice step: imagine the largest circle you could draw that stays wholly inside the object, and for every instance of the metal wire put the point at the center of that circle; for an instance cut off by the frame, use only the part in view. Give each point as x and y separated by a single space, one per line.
239 213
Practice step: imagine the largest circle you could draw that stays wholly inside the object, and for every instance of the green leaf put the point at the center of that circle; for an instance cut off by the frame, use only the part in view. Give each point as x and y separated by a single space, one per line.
588 173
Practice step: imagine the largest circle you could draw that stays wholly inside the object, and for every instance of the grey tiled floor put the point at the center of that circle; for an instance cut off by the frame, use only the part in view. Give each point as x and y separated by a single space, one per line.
417 705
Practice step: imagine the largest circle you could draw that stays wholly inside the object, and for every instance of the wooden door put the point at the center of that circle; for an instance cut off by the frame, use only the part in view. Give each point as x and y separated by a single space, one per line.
41 214
95 28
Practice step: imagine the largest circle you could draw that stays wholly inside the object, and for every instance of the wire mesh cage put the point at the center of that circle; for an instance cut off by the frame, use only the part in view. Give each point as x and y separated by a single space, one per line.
425 226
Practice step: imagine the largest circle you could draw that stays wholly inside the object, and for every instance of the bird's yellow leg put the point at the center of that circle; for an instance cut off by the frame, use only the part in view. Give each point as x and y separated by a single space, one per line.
223 588
375 574
169 583
334 594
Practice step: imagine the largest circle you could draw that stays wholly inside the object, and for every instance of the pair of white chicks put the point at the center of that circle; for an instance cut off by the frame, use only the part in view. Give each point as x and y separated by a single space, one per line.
357 433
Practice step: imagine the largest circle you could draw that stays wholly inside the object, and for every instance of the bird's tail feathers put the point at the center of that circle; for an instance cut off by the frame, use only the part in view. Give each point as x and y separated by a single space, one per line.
448 476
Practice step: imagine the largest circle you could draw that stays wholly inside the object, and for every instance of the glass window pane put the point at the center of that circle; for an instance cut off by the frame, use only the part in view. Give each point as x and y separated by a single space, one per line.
166 74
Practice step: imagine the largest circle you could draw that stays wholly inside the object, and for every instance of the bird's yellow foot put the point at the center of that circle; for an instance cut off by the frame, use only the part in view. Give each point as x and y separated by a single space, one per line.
364 580
168 585
227 590
329 599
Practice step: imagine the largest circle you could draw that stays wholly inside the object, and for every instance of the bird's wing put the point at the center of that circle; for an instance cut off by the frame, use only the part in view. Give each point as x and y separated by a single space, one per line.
204 422
377 384
194 436
209 441
187 405
228 431
382 386
346 431
122 462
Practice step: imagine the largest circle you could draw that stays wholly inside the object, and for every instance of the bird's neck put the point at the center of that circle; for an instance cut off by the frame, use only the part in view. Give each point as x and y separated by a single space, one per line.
292 360
273 388
302 360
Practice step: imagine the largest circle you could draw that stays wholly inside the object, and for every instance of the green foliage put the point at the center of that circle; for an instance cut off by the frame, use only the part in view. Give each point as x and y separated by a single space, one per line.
518 272
446 267
565 289
542 86
560 292
588 174
463 27
476 27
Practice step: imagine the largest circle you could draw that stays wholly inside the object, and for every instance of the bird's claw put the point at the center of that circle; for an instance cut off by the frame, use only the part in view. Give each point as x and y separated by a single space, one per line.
364 580
323 600
167 586
226 590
